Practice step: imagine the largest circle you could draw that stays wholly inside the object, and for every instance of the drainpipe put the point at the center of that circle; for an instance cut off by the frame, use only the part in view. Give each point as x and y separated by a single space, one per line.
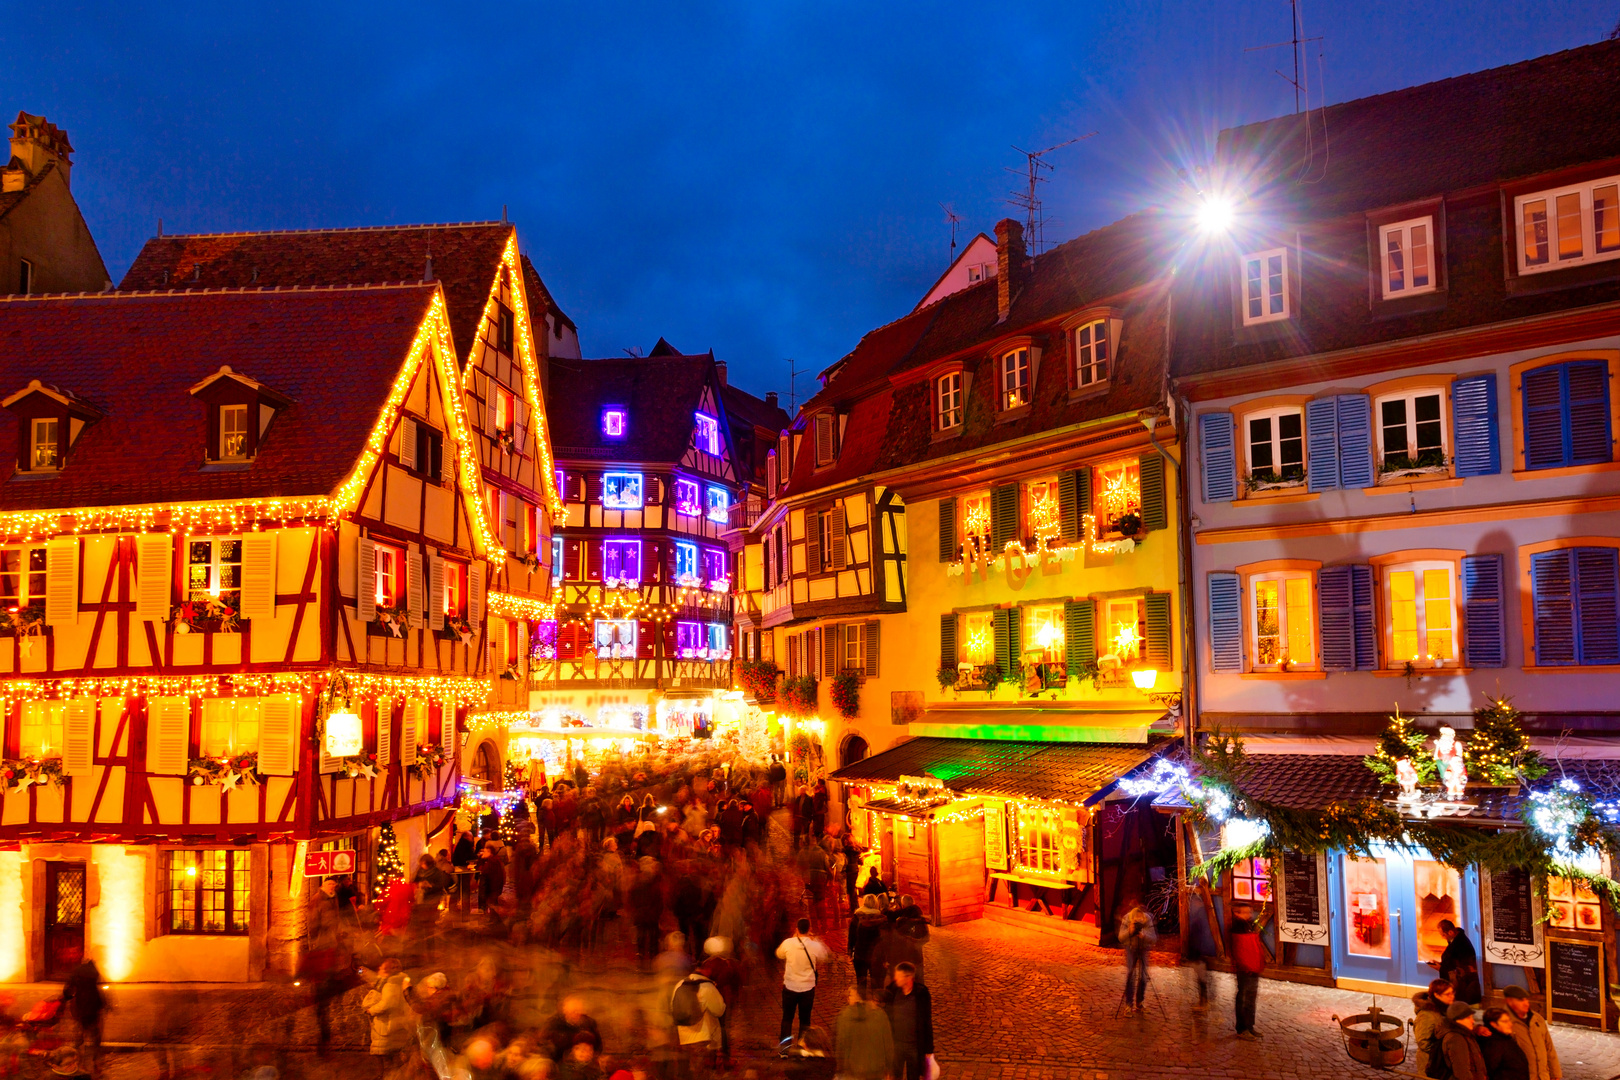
1183 585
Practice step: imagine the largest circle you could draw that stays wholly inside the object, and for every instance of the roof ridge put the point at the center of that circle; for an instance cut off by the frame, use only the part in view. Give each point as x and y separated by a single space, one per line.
257 289
332 229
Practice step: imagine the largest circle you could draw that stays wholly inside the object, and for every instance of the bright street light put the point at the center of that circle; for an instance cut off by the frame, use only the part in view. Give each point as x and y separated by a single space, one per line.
1214 215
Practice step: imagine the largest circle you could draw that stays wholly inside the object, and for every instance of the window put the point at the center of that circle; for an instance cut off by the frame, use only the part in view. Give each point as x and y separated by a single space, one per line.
782 567
978 642
976 518
621 563
1569 226
689 640
1276 446
233 431
1422 613
1576 593
823 423
229 725
505 328
1251 880
505 410
47 450
390 576
1015 378
613 422
615 639
41 734
719 503
621 491
1566 415
714 566
1040 845
561 477
975 273
707 433
1043 630
1124 628
426 448
1283 620
25 278
556 560
1042 518
1117 496
214 570
455 585
1091 354
948 398
854 638
1265 286
686 498
22 577
719 641
686 563
1406 255
1411 430
207 891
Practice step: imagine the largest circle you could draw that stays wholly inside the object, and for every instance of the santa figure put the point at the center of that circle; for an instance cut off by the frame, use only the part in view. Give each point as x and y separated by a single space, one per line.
1406 775
1448 755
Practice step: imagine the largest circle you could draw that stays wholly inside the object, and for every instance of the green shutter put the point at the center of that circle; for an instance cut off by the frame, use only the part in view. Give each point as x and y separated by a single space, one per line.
1156 606
1003 517
1068 506
1082 496
947 529
947 640
1079 634
1150 468
1006 647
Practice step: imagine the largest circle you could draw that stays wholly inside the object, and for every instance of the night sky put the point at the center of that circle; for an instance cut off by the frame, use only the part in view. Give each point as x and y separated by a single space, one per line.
758 178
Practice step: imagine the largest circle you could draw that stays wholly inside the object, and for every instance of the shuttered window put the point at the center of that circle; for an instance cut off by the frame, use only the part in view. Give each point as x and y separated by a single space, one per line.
1349 626
1283 616
947 641
1474 428
1007 641
41 730
230 725
1150 473
947 529
1079 635
1482 583
1566 415
1003 517
1225 623
1339 442
1577 610
1218 457
823 426
1156 614
873 647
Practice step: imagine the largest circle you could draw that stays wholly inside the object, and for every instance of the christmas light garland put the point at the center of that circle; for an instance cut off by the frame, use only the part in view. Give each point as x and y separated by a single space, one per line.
452 690
511 606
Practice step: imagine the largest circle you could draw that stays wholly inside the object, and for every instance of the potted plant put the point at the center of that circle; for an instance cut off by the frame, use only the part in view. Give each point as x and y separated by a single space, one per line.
991 676
758 679
946 676
845 693
1397 468
1289 476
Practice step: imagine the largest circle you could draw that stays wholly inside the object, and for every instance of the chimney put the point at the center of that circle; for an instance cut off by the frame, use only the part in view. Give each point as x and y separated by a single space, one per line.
1011 265
427 273
720 368
770 399
35 143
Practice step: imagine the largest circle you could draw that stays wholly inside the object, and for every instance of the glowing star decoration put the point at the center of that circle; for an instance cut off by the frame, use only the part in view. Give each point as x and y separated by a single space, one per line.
1043 513
1406 775
1448 756
1126 640
1240 833
979 646
1122 493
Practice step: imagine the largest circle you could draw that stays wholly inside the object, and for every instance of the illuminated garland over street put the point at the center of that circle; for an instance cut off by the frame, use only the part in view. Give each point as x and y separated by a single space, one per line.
452 690
511 606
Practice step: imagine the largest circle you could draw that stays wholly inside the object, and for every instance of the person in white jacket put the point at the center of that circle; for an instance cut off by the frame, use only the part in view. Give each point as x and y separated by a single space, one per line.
393 1024
802 958
699 1040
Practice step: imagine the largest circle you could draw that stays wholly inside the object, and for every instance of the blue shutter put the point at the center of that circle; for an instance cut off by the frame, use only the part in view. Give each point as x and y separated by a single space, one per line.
1219 458
1337 619
1590 440
1355 441
1543 394
1483 610
1473 427
1364 617
1552 589
1321 444
1225 623
1597 605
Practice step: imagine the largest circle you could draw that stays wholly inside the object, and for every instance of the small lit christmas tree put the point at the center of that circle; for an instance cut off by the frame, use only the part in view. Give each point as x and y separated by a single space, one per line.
1401 740
511 776
389 868
1498 751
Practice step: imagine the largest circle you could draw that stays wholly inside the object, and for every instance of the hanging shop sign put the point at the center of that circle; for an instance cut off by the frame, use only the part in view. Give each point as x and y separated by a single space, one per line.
328 863
1304 899
1512 917
995 836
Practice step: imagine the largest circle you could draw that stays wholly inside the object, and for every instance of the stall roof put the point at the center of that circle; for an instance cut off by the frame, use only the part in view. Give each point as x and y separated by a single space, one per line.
1058 772
1048 723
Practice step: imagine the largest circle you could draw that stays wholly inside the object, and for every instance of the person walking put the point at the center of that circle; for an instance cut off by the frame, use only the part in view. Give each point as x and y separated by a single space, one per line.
852 869
393 1028
865 933
1459 1046
804 807
326 961
1504 1058
820 799
904 936
696 1005
802 956
1530 1029
1248 961
1199 948
865 1045
911 1019
82 995
1428 1019
777 775
1459 963
726 974
1136 935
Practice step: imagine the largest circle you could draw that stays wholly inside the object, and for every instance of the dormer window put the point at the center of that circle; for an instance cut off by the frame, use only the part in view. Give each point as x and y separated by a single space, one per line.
614 422
823 423
45 452
1015 378
1091 354
239 414
49 423
233 432
707 434
1265 286
948 401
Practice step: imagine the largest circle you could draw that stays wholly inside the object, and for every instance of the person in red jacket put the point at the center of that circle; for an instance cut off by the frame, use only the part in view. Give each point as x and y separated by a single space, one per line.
1248 961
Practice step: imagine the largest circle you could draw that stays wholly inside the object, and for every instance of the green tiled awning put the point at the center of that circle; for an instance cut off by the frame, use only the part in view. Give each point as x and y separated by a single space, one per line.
1054 772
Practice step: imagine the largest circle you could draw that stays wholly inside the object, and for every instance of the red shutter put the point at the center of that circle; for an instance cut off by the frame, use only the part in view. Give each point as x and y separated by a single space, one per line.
646 634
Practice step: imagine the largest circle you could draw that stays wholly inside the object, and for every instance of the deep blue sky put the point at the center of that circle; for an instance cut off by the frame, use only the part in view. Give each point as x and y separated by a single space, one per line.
759 178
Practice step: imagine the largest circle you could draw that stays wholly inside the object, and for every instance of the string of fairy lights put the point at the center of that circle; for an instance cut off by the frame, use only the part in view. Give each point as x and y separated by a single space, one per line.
451 690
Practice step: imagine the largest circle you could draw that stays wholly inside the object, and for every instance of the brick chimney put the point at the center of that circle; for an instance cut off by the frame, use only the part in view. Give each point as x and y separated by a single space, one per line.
1011 265
770 398
35 143
720 369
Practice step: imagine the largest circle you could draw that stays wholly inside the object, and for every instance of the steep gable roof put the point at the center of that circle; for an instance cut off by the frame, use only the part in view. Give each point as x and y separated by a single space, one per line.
659 393
334 352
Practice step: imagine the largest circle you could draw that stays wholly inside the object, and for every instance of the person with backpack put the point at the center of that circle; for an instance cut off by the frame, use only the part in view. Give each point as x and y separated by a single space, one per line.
696 1006
1504 1058
719 967
1136 935
801 956
1428 1017
1248 961
1460 1057
865 1041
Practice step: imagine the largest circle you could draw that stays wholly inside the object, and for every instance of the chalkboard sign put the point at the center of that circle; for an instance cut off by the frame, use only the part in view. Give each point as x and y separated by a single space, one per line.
1304 899
1510 907
1575 977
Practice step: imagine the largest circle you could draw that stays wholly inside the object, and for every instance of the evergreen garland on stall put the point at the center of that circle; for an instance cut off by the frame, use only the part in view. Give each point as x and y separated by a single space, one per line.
389 868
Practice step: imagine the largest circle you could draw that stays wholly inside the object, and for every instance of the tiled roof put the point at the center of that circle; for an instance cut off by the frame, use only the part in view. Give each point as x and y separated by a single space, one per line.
540 296
1058 772
743 407
134 357
466 258
660 395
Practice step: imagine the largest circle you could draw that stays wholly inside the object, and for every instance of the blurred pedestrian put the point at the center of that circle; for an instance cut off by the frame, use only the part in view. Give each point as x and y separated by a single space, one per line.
571 1021
393 1027
1530 1029
1504 1058
911 1018
1136 935
1198 947
726 974
804 808
777 775
802 956
1248 961
81 993
865 933
326 959
696 1006
865 1041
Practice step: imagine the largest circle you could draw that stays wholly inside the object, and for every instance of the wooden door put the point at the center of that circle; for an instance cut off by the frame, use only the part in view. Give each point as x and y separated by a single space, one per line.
913 869
64 918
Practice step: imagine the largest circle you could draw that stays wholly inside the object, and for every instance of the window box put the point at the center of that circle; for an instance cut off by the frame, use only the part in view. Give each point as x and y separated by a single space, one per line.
25 621
458 628
17 775
390 621
1400 470
1291 477
226 770
205 615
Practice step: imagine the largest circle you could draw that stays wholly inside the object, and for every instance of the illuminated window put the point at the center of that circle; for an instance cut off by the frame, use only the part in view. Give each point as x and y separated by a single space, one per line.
621 491
41 728
1411 430
615 639
1572 905
719 502
948 396
686 498
1015 378
46 449
1275 445
1251 880
505 409
1041 518
1265 286
455 590
233 431
1422 613
978 643
214 571
22 577
1406 251
207 891
689 640
707 433
1283 620
714 565
556 560
1043 630
614 422
1569 226
1117 498
1124 628
1091 354
686 563
390 576
229 725
719 640
1040 843
976 522
621 563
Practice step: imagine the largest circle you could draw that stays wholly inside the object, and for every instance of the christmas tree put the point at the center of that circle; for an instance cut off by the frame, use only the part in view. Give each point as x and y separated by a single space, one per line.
1401 740
1499 751
389 868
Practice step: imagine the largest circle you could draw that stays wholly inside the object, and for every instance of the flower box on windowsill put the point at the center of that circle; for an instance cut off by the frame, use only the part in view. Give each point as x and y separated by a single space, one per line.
205 617
390 622
457 630
26 621
1403 470
1257 484
20 774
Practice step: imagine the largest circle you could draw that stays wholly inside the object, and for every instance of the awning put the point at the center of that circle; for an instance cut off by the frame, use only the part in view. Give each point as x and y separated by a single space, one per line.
1031 722
1078 773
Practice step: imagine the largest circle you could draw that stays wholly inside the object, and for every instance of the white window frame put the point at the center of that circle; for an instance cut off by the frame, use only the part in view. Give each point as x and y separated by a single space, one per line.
1402 230
1266 314
627 632
234 718
948 401
854 638
1420 603
1276 437
1583 193
624 500
1051 615
37 439
1410 397
46 715
1111 620
1013 378
388 561
1281 578
707 433
240 453
26 594
1086 359
968 623
215 587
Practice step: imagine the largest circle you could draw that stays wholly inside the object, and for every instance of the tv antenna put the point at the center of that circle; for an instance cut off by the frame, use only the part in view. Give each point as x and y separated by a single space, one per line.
794 371
1296 40
1028 200
955 219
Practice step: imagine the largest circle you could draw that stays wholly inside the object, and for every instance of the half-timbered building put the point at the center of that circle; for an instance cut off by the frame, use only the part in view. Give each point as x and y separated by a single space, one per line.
222 574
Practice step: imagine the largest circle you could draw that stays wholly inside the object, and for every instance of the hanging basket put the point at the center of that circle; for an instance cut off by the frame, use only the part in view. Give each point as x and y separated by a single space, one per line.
1374 1038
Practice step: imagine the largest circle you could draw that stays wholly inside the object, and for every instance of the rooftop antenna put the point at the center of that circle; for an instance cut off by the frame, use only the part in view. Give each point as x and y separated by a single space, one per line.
1301 82
1028 200
955 219
794 371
